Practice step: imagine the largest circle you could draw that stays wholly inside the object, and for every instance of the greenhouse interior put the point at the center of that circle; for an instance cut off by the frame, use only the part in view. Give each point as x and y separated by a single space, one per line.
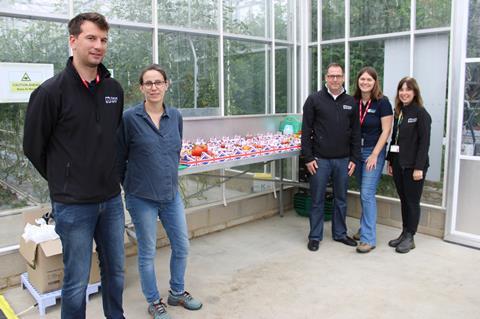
241 74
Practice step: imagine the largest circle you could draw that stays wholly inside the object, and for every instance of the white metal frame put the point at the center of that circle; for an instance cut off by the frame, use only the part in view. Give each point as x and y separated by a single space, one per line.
459 62
411 33
156 27
301 44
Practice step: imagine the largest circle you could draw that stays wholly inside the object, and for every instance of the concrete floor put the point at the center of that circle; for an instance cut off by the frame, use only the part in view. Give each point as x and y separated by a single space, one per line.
264 270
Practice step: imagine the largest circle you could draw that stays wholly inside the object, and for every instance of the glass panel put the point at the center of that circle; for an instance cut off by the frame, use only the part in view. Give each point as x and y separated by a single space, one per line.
333 19
283 19
283 78
191 64
202 14
433 13
128 53
313 68
431 71
27 41
471 111
313 23
37 6
332 53
390 58
377 17
473 48
245 17
126 10
199 189
365 53
246 77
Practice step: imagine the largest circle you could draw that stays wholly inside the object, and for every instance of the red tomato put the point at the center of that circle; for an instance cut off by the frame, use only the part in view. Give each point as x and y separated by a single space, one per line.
197 150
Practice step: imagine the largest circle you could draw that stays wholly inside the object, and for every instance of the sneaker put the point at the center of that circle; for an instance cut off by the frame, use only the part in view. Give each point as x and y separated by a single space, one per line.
157 310
186 300
357 235
364 248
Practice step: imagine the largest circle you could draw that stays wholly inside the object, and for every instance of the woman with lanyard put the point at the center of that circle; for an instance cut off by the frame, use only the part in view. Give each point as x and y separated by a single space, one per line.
408 158
376 124
150 140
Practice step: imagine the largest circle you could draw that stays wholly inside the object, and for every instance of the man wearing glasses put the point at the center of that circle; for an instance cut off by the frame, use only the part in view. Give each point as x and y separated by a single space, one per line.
331 147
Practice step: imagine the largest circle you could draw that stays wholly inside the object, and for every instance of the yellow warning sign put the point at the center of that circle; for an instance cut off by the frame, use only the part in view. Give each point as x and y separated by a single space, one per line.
25 77
23 87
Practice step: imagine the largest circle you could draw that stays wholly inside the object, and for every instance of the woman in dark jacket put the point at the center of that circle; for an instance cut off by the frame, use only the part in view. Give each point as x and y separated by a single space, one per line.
408 158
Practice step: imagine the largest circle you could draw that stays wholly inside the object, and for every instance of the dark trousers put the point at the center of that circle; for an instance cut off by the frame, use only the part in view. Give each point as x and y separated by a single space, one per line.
410 192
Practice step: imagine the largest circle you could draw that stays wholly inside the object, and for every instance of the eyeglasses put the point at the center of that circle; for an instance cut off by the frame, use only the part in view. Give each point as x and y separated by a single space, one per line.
334 76
158 84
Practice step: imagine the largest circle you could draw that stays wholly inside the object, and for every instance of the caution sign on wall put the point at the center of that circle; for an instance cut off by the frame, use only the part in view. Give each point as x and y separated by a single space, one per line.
18 80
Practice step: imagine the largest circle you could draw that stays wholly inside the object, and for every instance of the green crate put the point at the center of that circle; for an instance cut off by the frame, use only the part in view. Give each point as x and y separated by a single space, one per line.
302 203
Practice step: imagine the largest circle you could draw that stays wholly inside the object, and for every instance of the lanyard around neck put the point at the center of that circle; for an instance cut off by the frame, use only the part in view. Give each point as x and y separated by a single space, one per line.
362 115
87 84
400 119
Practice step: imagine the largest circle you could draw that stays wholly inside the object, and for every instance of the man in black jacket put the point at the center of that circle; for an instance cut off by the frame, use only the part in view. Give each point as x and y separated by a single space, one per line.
69 136
331 147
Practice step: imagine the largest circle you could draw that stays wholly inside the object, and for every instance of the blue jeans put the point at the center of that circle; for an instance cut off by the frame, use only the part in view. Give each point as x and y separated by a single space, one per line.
368 182
77 225
145 214
337 168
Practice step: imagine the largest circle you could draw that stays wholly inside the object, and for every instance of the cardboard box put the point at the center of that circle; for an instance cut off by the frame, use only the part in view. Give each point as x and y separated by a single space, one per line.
44 260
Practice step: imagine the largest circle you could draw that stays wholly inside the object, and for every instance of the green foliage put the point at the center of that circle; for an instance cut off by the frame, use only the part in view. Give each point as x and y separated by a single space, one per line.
376 17
180 54
10 200
237 20
473 44
433 13
202 14
128 53
333 19
244 78
365 53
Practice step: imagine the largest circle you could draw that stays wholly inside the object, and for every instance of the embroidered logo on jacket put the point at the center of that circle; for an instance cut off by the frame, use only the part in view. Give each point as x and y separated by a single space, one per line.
412 120
111 99
347 107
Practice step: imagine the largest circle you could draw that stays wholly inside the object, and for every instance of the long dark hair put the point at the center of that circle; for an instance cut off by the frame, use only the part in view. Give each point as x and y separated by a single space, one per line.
412 85
376 93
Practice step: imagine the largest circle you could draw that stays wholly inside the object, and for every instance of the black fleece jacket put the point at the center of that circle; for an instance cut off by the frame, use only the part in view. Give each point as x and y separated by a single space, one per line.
70 135
330 128
413 138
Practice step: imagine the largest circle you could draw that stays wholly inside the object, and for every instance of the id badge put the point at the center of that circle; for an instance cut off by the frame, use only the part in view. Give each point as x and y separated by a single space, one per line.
362 141
394 148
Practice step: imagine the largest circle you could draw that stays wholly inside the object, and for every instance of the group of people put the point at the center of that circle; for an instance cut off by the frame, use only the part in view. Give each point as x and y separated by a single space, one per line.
80 140
345 135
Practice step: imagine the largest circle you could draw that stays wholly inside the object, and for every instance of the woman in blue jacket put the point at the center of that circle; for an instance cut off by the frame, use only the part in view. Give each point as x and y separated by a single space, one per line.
150 140
408 157
376 117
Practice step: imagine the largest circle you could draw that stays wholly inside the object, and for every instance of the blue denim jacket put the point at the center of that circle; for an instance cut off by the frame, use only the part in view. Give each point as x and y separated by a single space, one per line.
148 157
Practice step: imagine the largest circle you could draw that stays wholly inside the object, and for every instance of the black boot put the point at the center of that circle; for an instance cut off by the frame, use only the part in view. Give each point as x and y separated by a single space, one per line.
406 245
396 241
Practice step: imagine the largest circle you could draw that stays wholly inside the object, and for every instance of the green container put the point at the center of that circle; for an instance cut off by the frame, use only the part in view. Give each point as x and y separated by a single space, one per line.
302 203
293 121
